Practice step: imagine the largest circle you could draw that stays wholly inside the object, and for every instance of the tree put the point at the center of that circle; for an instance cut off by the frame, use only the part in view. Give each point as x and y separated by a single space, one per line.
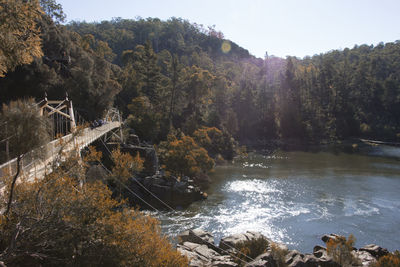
20 40
59 221
27 129
184 157
144 118
53 10
125 166
148 71
197 87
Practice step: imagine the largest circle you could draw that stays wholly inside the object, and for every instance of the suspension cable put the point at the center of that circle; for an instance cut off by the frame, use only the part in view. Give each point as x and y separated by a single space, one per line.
172 209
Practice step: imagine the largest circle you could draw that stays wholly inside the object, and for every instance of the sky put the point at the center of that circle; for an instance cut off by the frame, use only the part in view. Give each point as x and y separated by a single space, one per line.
278 27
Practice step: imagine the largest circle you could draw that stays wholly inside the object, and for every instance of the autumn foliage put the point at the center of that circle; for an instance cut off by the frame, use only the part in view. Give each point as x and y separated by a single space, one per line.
20 39
390 260
184 156
340 249
60 220
215 142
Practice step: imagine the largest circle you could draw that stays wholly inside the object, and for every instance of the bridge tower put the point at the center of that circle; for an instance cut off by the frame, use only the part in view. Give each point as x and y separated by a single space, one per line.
63 108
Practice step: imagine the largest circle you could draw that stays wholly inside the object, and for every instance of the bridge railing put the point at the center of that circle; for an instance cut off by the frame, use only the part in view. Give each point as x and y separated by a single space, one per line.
39 158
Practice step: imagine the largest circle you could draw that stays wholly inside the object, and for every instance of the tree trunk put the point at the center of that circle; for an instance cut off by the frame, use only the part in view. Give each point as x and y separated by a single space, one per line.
13 185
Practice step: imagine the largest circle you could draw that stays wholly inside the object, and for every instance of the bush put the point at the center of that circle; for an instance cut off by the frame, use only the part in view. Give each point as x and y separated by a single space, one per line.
250 249
59 220
390 260
279 255
184 157
215 142
340 249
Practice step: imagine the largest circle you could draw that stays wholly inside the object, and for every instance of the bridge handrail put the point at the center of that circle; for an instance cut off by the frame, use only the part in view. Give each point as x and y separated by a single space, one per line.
52 149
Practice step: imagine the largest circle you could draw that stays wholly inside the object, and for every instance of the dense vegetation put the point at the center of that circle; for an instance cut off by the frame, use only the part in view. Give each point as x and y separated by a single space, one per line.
173 74
69 220
179 85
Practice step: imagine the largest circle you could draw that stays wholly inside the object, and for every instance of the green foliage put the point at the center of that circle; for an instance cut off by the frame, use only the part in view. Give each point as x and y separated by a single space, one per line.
53 10
23 126
144 118
184 157
191 82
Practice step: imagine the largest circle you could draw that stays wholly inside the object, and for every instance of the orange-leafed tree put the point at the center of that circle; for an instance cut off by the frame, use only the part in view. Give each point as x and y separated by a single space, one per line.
20 40
58 220
184 156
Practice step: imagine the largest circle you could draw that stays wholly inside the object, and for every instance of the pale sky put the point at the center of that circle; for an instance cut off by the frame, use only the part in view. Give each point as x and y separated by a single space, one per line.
285 27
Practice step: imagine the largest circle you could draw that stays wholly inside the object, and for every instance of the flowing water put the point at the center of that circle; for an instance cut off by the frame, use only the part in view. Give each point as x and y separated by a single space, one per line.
296 197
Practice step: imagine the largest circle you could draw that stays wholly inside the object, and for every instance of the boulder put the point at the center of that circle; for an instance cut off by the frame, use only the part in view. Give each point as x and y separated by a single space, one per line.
229 242
375 250
326 238
133 139
202 255
310 260
197 236
223 261
294 258
264 260
319 251
365 257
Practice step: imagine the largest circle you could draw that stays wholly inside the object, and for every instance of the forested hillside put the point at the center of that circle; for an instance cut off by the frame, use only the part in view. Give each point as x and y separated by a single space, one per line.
170 75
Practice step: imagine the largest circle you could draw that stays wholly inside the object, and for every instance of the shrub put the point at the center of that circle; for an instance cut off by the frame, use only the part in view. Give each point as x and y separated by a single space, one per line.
340 249
184 157
215 142
59 221
279 255
390 260
250 249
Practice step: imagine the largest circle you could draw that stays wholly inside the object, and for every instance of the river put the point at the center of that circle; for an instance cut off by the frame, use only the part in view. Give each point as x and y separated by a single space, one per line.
296 197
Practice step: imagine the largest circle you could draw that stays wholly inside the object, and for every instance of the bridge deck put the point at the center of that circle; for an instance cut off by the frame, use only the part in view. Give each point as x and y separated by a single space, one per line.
33 167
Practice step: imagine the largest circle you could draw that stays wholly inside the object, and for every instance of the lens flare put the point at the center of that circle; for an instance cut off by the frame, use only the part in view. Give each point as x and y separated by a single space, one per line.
226 47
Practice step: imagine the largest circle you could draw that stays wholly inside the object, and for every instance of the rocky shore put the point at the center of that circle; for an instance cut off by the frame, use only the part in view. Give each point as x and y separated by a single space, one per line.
198 245
150 181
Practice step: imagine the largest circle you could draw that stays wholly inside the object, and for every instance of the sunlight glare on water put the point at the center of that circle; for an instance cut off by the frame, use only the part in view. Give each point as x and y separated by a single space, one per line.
298 198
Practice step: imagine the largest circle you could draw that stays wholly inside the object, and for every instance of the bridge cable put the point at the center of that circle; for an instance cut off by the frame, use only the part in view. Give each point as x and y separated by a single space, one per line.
234 249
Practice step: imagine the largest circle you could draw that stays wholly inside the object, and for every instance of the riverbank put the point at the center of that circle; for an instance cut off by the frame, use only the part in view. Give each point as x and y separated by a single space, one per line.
296 197
199 246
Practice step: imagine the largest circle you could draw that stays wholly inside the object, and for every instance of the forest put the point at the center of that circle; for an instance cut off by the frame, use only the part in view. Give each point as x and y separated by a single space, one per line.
181 87
169 76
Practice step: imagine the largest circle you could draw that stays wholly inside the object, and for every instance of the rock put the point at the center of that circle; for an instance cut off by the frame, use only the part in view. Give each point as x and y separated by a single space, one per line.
223 261
317 248
326 238
198 255
365 257
202 255
150 164
229 242
197 236
310 260
263 260
375 250
319 252
133 139
294 258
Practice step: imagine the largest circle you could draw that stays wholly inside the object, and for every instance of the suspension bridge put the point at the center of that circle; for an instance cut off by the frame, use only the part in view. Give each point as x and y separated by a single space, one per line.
65 122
